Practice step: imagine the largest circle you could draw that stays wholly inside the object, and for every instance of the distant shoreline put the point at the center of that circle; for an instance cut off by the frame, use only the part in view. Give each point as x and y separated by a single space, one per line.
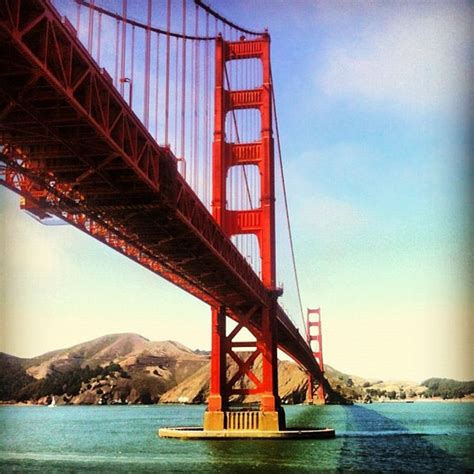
409 401
422 400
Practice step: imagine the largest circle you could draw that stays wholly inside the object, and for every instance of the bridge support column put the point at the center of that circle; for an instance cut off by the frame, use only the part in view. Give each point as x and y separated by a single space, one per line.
272 415
320 392
214 418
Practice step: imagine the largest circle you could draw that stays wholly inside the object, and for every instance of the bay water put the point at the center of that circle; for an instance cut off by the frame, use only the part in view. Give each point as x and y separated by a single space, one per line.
416 437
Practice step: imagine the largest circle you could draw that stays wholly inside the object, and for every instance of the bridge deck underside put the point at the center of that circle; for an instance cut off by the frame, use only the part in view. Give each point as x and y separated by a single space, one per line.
77 135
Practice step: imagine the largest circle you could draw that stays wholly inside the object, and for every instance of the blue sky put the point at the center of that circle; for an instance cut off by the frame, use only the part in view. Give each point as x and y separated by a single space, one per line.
372 104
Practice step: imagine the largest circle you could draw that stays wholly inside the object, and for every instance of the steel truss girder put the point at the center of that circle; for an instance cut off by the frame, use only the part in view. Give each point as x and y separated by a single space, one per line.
101 107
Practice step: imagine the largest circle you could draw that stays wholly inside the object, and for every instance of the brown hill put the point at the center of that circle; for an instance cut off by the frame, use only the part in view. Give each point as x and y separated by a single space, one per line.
144 372
131 351
135 369
13 360
130 368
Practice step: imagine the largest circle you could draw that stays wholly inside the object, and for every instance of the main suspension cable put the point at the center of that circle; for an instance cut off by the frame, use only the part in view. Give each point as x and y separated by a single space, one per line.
143 25
290 233
225 20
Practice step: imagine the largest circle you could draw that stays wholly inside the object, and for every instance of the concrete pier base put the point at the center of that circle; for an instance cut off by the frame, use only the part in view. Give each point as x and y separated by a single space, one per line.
214 420
195 433
244 420
247 424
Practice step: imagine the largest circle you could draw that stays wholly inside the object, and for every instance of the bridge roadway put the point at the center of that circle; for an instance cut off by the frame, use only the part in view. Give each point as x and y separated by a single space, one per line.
76 139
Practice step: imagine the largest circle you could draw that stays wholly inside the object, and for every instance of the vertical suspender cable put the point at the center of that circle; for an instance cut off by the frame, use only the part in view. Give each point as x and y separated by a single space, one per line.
90 36
191 117
196 105
132 67
146 95
210 114
157 83
117 53
124 46
176 72
183 96
78 26
167 93
206 117
100 39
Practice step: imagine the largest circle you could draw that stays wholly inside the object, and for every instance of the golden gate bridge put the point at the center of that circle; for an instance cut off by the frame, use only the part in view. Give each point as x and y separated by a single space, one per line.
87 95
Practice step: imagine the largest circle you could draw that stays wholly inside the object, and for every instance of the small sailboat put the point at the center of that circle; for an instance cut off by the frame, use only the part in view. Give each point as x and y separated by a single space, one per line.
53 403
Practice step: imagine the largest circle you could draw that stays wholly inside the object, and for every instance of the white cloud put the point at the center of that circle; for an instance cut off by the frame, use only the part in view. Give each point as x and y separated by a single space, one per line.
329 208
415 59
331 217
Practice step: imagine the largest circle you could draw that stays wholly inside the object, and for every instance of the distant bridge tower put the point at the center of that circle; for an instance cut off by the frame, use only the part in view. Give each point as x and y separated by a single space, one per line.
315 341
257 221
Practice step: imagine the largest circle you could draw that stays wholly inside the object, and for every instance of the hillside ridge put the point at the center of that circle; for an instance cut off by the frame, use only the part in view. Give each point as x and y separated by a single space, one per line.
129 368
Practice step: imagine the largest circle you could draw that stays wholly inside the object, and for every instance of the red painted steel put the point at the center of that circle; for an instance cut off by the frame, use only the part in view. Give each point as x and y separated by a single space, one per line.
260 222
72 146
314 334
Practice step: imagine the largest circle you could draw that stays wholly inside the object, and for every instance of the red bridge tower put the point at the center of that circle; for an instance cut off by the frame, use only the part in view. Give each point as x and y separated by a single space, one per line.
315 341
259 320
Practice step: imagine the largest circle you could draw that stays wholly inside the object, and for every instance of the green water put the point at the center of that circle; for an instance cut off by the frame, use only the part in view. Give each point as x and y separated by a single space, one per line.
434 437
